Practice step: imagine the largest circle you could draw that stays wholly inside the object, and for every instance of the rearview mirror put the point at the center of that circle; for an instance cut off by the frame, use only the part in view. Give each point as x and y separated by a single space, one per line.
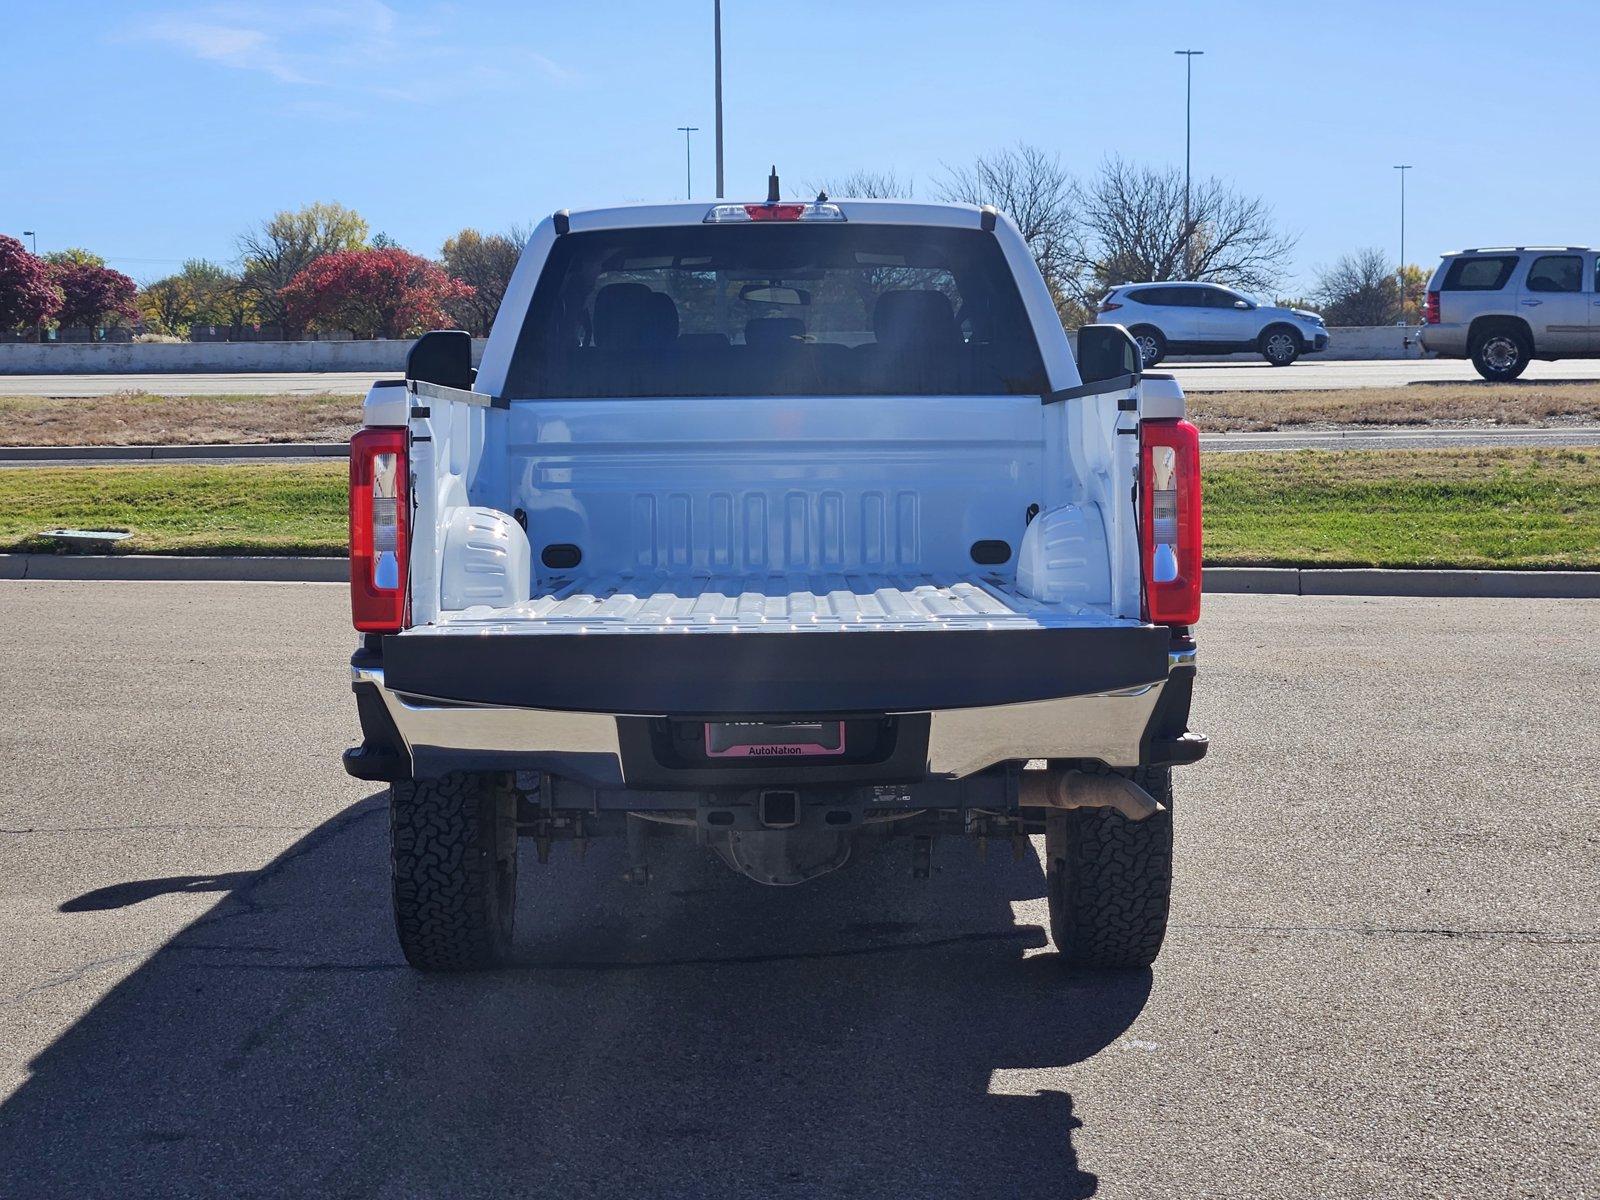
443 357
1107 352
1243 304
757 293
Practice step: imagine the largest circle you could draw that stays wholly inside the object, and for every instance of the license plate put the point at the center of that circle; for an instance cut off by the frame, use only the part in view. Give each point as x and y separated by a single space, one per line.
764 739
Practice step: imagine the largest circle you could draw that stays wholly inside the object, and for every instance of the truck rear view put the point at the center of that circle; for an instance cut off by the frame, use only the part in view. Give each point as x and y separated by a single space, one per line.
783 528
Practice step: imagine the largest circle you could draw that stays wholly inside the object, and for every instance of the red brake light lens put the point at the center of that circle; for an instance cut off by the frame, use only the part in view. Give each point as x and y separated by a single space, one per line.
723 214
774 212
1432 316
1169 521
1109 306
380 541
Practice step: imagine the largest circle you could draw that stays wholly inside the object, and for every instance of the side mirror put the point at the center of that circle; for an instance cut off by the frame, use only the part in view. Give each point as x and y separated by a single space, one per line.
1107 352
443 357
1243 304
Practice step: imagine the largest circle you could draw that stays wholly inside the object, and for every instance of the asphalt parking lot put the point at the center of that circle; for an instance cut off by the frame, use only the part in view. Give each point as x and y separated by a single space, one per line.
1380 980
1227 375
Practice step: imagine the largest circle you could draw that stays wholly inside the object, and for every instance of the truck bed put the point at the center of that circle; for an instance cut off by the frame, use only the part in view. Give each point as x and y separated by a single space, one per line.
789 603
788 645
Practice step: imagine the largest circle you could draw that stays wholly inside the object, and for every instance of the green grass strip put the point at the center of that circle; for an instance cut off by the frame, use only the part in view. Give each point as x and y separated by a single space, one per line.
298 509
1533 508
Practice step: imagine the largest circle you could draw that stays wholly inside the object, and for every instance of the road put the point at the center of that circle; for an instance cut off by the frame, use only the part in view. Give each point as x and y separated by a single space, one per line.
1233 375
1312 374
1380 982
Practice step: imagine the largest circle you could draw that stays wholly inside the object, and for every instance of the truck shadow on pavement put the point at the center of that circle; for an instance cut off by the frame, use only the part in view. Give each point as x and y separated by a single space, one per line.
862 1035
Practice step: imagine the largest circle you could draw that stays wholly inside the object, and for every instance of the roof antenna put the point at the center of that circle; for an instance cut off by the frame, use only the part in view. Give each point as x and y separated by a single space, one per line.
822 196
772 185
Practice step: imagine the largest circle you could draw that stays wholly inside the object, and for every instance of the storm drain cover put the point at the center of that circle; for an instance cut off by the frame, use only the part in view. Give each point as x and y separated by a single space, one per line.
86 539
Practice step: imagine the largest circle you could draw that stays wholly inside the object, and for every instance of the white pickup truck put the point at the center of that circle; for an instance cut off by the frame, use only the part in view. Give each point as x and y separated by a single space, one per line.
782 527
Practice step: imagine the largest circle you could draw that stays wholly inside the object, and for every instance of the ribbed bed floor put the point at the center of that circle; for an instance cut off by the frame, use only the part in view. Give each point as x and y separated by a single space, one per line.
633 604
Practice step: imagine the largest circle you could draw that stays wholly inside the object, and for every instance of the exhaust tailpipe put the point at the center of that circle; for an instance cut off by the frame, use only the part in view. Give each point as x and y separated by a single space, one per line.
1080 789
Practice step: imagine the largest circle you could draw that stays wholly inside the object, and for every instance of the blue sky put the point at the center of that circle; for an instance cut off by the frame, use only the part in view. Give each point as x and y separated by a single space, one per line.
154 132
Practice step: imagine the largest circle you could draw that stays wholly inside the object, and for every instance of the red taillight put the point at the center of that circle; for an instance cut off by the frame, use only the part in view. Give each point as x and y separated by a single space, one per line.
1432 315
1169 521
774 212
1109 306
379 529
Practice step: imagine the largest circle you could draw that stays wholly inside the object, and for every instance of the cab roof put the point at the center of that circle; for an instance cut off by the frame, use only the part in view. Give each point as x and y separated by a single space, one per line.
865 212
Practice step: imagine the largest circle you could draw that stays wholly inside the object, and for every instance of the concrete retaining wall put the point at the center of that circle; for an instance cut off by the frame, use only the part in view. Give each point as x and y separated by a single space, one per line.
221 358
1345 343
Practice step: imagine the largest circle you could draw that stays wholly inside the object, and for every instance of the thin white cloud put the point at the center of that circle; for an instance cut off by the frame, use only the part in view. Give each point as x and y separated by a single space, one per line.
230 45
352 46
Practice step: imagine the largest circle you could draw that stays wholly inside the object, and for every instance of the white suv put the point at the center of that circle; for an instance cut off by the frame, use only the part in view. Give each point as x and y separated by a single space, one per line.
1205 318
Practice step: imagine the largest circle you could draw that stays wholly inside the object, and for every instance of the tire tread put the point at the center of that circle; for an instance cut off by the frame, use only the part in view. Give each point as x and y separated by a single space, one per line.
1111 881
447 855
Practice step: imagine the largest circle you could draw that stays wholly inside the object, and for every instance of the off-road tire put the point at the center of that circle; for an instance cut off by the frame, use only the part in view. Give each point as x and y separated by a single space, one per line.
1280 345
1152 346
1501 353
453 856
1109 880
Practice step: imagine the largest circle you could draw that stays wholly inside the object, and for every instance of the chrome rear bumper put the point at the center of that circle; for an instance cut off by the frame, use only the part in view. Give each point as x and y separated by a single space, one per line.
1110 727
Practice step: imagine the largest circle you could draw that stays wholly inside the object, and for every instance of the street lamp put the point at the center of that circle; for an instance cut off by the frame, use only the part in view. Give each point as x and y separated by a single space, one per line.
1188 103
28 233
688 170
1402 168
716 17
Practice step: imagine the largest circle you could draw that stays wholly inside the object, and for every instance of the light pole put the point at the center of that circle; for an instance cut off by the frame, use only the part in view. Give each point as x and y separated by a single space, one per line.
38 326
716 19
1188 105
1402 168
688 168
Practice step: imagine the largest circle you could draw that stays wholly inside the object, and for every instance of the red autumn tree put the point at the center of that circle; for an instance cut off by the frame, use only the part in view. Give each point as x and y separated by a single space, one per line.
388 293
91 292
27 297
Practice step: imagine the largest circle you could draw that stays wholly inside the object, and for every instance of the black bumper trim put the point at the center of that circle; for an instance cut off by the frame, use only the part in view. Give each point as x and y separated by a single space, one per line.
1168 740
382 756
774 675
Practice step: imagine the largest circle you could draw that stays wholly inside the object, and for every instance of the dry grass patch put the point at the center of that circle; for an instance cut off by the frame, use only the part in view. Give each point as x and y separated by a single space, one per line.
143 419
1418 404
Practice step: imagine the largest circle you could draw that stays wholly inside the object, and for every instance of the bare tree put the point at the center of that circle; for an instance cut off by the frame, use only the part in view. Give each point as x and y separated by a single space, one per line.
1360 289
1133 230
1035 191
866 185
486 262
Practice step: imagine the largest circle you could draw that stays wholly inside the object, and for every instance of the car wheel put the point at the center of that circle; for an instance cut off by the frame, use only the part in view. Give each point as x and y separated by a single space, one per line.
1501 354
453 854
1109 880
1280 345
1152 346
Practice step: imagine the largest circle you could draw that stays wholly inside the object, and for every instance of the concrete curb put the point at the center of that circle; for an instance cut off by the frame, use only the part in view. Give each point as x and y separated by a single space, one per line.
175 567
1275 581
1367 581
210 450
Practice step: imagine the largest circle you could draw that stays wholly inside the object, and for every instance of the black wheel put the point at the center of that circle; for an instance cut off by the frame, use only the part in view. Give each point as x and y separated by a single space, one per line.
1152 346
1280 345
1109 880
1501 353
453 853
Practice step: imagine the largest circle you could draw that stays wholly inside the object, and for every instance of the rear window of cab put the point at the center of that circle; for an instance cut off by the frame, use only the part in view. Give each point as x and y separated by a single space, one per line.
1483 274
